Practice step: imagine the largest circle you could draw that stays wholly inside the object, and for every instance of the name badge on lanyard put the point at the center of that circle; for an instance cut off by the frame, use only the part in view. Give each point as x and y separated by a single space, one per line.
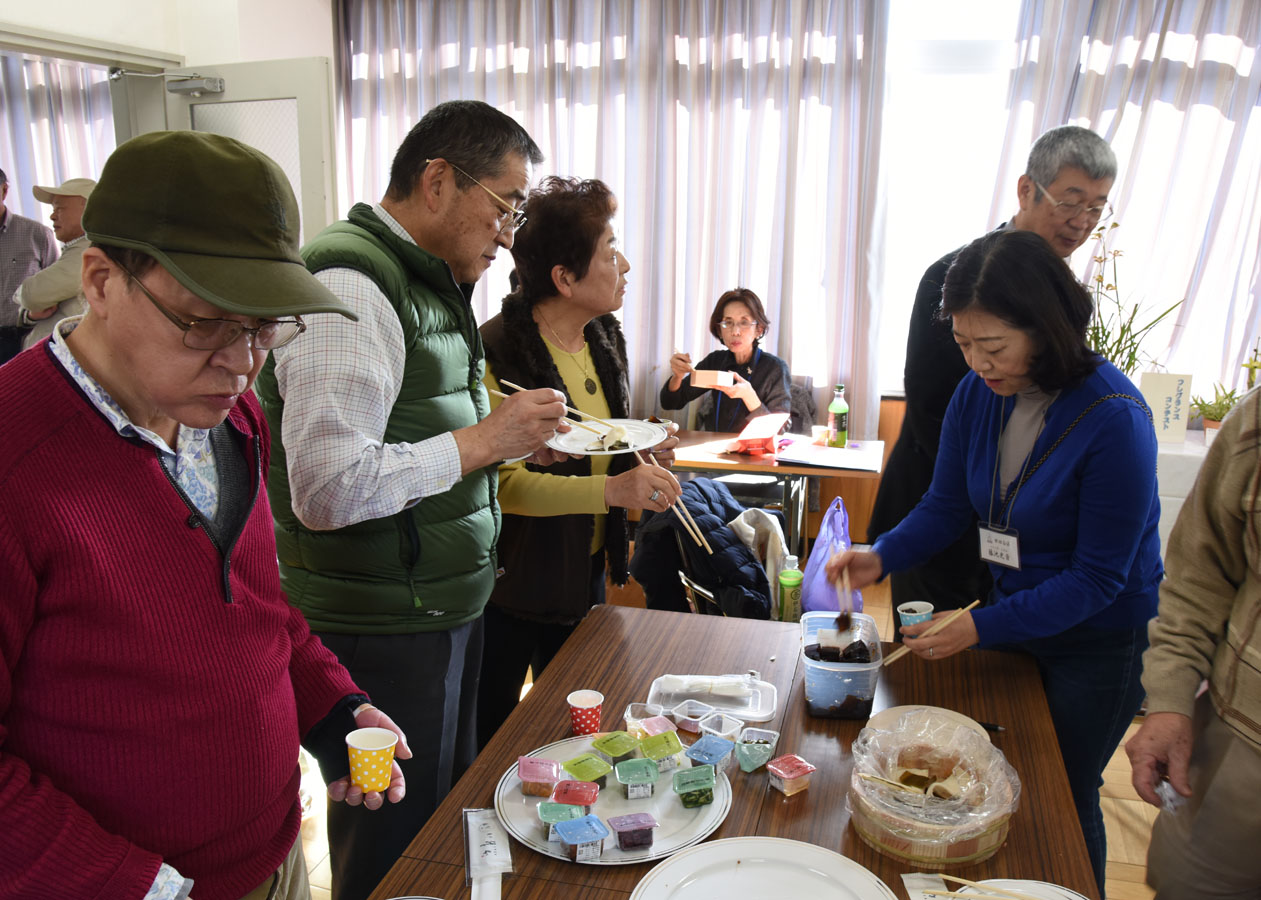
1000 545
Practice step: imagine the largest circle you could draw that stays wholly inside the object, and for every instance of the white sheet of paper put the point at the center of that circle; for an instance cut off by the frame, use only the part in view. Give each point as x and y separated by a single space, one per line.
1169 396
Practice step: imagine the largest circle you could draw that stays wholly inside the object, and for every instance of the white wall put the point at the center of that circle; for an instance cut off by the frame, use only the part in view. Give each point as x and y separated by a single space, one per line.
202 31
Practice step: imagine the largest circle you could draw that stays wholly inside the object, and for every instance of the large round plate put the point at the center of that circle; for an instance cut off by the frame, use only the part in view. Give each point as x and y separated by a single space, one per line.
678 827
1041 889
886 719
760 867
640 435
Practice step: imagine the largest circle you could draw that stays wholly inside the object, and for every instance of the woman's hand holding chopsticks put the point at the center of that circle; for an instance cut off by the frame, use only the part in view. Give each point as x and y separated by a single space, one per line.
864 568
959 634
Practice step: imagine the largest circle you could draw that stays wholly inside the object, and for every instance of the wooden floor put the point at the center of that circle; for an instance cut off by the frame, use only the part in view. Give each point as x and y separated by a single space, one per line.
1127 818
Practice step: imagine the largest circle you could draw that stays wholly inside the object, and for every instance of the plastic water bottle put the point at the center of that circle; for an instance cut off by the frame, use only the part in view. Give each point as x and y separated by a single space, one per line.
838 419
790 578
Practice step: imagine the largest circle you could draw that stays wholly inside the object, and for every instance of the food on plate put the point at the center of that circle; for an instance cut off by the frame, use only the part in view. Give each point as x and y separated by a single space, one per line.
665 749
711 750
634 830
538 776
615 747
552 814
638 778
613 439
576 793
588 767
582 839
695 786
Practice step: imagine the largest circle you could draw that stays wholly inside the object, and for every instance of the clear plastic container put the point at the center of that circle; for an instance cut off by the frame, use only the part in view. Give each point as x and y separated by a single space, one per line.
837 690
755 748
695 786
634 831
722 725
588 767
551 814
638 778
615 747
582 839
538 776
712 750
665 749
790 774
576 793
688 714
635 714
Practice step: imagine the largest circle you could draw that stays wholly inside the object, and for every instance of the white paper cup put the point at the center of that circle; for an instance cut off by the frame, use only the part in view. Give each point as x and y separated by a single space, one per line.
915 612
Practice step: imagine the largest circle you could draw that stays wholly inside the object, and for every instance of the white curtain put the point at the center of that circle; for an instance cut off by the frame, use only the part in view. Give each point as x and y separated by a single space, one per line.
55 123
742 139
1174 86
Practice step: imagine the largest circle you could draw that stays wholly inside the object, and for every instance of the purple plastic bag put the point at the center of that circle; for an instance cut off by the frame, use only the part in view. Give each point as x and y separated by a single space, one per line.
817 593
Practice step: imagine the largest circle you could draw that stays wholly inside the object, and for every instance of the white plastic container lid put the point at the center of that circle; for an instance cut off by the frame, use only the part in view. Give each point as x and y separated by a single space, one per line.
742 696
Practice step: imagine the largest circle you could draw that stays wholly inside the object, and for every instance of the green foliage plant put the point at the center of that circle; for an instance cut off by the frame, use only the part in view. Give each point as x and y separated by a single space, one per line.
1114 332
1215 410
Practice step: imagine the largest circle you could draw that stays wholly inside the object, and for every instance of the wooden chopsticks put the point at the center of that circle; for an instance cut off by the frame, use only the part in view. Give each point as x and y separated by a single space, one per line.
997 893
689 524
502 395
932 629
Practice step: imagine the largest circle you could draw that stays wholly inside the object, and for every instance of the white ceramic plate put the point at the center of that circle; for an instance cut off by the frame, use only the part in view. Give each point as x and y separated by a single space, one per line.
1040 889
886 719
760 867
639 434
678 827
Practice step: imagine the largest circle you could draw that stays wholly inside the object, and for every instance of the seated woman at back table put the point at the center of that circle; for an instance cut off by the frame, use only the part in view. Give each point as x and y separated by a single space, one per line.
558 330
761 380
1052 447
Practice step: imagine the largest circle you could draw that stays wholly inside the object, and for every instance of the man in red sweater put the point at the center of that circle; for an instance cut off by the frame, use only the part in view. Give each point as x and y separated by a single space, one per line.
154 681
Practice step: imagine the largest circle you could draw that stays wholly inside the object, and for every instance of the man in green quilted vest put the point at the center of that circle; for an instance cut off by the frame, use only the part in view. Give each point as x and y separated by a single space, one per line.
383 482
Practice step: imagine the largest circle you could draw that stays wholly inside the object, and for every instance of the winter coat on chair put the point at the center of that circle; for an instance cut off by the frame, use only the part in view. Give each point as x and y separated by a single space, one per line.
733 574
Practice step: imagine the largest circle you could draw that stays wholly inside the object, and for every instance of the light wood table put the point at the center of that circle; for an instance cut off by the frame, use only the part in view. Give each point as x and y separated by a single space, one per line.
703 451
620 650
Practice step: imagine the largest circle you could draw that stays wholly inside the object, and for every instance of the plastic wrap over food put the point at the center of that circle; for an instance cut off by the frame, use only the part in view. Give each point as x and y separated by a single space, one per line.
932 779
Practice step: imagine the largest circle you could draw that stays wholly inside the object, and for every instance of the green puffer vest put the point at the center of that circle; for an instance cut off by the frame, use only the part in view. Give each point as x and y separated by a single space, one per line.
430 567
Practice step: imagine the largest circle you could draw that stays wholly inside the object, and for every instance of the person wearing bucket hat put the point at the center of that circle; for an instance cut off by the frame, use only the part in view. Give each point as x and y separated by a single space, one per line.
144 625
26 247
384 490
52 294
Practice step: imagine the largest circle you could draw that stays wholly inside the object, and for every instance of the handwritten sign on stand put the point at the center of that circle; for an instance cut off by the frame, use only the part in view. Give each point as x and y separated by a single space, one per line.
1169 396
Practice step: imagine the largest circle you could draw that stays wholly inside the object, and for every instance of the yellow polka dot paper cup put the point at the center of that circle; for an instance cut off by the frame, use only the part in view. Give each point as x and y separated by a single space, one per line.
371 757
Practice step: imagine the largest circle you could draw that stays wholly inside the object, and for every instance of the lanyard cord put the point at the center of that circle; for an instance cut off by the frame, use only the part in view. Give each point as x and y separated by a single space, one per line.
1028 473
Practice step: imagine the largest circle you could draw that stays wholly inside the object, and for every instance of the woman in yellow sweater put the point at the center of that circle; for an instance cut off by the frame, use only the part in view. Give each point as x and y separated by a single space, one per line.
562 522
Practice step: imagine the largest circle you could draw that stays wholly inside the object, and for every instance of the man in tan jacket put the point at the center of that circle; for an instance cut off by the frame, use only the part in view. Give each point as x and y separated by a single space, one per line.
52 294
1207 743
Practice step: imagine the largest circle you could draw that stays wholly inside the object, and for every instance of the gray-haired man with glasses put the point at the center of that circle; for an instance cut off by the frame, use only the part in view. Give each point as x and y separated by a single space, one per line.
155 682
1063 196
384 490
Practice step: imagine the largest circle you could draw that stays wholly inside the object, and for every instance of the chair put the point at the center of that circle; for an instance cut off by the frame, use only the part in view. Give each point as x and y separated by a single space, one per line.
699 599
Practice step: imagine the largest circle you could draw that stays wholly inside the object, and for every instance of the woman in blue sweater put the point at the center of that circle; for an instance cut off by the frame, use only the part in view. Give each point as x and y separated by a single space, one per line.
1052 447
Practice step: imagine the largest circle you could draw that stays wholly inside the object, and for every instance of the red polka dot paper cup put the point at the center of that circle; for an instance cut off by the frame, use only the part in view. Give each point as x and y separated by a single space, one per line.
584 711
371 757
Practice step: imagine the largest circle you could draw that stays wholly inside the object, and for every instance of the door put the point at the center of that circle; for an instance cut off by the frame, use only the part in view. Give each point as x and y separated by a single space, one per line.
282 107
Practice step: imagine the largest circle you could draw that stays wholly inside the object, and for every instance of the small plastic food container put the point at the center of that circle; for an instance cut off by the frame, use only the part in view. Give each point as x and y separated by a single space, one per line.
755 748
840 690
665 749
635 715
657 725
722 725
615 747
695 786
538 776
712 750
789 773
582 839
552 814
576 793
638 778
587 767
634 831
688 714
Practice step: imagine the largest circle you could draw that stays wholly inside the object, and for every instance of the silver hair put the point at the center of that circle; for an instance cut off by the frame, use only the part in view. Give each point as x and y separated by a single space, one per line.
1072 146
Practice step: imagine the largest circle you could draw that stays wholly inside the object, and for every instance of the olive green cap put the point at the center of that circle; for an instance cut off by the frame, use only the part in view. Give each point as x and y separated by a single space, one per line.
217 214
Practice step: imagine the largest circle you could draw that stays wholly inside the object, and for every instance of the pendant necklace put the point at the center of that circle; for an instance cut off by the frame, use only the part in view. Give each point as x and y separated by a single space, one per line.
589 384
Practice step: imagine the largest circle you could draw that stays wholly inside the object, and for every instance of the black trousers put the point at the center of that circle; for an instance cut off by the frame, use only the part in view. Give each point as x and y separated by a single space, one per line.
513 646
11 342
427 683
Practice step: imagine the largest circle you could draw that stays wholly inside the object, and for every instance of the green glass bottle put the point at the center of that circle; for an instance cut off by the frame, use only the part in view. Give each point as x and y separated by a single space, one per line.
838 419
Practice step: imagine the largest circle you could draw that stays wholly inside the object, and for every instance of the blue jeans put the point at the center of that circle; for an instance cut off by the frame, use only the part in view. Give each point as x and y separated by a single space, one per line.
1091 680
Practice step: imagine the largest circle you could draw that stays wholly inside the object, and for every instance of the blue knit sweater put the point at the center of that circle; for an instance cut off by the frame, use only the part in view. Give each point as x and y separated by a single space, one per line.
1086 519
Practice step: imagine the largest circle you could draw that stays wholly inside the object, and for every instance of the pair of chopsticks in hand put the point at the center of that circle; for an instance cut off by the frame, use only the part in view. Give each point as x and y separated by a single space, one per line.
987 891
689 524
932 629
